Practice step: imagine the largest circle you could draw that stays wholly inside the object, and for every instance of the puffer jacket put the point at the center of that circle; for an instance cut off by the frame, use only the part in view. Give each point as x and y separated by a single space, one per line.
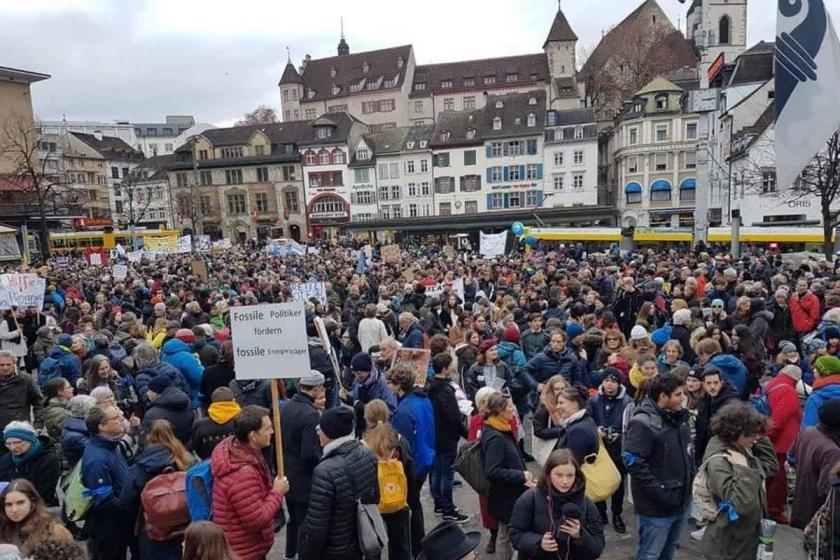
548 363
805 312
180 355
68 364
731 369
74 436
785 413
244 501
251 391
533 342
19 394
414 419
141 380
54 415
172 405
42 470
511 354
825 389
330 530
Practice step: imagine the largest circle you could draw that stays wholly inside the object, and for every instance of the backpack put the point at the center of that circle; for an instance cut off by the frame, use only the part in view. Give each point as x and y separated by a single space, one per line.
164 500
822 534
470 465
74 498
760 402
702 498
50 368
370 527
199 488
393 486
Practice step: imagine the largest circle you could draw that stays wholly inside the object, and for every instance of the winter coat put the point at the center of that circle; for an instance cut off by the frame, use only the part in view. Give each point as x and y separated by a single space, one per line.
319 360
707 407
180 355
104 472
371 332
505 469
533 342
657 454
172 405
511 354
626 308
74 437
664 367
414 419
41 349
760 321
69 366
449 423
210 430
372 388
11 338
413 337
244 501
477 378
817 452
251 391
548 363
578 434
785 414
220 374
608 412
744 489
43 470
824 390
731 369
141 380
805 312
301 448
208 354
683 336
536 514
782 324
55 413
19 394
330 530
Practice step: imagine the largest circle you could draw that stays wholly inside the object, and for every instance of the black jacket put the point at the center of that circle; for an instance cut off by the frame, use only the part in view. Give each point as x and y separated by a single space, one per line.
301 448
218 375
579 436
505 469
707 407
207 434
449 425
74 436
18 394
175 406
42 471
330 531
251 391
658 456
320 361
534 516
681 335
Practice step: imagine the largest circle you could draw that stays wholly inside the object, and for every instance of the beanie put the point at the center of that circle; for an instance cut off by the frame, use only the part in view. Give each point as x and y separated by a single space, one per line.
486 345
361 362
813 345
787 347
792 371
638 333
573 330
185 335
829 414
20 430
827 365
337 422
511 334
159 383
64 340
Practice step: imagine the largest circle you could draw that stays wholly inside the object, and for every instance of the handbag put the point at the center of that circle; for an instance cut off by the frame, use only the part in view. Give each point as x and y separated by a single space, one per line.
602 476
370 527
542 448
470 466
820 533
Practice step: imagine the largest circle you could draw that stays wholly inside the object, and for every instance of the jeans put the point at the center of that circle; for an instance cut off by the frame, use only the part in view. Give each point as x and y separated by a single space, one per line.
418 523
504 550
442 476
659 536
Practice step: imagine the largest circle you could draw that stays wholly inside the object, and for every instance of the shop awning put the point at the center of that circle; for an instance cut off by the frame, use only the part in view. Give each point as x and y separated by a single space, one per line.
633 188
688 184
660 185
768 235
663 234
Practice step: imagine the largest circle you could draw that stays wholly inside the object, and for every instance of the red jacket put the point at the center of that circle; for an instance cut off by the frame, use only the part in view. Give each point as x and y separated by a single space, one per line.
805 312
244 503
785 413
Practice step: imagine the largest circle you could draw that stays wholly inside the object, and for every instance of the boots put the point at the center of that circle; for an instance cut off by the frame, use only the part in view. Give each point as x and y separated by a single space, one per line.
491 544
528 458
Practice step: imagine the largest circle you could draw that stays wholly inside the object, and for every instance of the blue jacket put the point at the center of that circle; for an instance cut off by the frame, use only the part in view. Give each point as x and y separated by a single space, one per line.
104 472
68 364
74 438
829 388
511 354
731 369
145 375
609 411
548 363
180 355
414 419
374 387
413 337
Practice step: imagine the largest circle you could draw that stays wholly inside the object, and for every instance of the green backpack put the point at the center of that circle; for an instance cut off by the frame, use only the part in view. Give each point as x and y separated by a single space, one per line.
76 499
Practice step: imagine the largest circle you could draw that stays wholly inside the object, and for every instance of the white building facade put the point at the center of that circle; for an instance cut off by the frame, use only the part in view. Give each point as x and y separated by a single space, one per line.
570 158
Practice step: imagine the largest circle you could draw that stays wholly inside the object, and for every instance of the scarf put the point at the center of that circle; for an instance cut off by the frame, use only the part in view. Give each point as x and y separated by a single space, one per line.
223 411
574 417
34 450
498 423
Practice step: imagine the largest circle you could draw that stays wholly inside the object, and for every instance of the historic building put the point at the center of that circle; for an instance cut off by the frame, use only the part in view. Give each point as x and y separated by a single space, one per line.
570 158
142 198
718 30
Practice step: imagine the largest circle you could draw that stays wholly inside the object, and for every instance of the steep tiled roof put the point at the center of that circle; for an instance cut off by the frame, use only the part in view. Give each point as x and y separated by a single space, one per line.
566 88
527 68
388 141
452 126
155 167
514 111
349 70
110 147
290 75
747 136
754 64
560 29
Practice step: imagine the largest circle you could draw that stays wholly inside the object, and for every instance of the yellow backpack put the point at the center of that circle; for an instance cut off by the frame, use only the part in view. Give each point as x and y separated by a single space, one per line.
393 486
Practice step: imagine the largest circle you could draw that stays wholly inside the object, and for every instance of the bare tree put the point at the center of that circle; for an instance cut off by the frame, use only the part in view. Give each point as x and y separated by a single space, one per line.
263 114
137 197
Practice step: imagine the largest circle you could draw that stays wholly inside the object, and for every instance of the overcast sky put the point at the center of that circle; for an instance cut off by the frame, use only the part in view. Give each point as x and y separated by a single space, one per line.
139 60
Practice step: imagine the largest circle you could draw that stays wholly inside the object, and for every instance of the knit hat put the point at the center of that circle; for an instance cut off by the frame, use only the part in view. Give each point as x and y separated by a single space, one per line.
573 330
486 345
827 365
20 430
208 329
682 317
787 347
511 334
781 292
159 306
173 325
312 379
792 371
717 302
361 362
64 339
337 422
185 335
638 333
695 373
159 383
198 330
831 332
813 345
612 374
829 414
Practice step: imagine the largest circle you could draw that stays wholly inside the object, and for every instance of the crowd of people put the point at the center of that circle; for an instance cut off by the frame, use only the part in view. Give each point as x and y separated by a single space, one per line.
701 389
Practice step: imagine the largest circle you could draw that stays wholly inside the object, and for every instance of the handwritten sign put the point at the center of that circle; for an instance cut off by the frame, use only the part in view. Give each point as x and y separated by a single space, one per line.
22 290
317 290
391 253
221 245
493 244
437 289
119 272
415 359
269 341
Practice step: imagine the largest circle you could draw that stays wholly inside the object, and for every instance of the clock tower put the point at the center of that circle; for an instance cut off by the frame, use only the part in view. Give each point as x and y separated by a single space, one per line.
716 27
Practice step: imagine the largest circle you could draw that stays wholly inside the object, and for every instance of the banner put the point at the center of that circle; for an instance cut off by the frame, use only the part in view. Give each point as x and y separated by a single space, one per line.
284 247
269 341
492 244
134 256
221 245
167 244
22 290
391 253
317 290
807 80
437 289
62 262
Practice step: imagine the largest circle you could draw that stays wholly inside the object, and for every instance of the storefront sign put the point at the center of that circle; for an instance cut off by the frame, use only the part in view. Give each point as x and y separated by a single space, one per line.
327 215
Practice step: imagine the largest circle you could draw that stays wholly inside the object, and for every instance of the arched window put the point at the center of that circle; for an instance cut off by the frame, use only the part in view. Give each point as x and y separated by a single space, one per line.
723 30
633 191
324 157
337 156
309 159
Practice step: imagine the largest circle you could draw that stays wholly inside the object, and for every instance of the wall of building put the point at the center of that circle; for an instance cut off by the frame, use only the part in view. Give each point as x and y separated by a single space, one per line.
559 173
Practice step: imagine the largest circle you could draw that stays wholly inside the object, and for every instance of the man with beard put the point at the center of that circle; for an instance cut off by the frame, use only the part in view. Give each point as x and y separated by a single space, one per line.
716 393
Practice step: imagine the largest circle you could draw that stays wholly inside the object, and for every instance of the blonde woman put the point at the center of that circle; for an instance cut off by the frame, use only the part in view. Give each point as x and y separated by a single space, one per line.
547 419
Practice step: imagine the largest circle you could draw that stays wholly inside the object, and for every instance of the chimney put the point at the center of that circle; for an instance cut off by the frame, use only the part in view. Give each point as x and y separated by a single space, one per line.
97 134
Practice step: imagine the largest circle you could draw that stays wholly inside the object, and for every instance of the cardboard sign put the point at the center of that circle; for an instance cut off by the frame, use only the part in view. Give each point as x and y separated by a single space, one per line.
22 290
199 268
304 292
119 272
164 244
415 359
269 341
134 256
391 253
449 251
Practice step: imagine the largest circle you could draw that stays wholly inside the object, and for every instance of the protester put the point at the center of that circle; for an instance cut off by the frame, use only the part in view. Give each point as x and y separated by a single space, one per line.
171 404
204 540
32 457
20 398
784 421
716 394
219 373
826 387
209 431
25 520
178 352
57 393
74 432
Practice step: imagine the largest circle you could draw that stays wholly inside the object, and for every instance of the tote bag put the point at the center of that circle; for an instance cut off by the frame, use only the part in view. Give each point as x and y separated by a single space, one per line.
542 448
602 476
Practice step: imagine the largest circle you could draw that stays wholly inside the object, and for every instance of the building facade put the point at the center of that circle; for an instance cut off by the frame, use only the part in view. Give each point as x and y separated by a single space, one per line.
158 139
142 199
570 158
86 187
717 29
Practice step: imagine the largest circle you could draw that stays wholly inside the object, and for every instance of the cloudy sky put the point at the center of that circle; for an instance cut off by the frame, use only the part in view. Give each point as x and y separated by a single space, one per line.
139 60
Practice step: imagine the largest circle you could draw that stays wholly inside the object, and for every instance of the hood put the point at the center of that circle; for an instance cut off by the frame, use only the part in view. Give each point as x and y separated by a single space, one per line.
832 316
174 346
223 412
675 418
57 403
229 456
57 352
160 368
622 391
173 399
767 315
506 348
154 458
73 424
465 349
726 361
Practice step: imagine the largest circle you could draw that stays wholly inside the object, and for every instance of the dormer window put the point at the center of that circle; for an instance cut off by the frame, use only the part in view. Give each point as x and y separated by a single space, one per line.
489 79
470 133
532 100
365 67
333 72
446 84
517 121
512 77
444 135
362 154
661 102
409 145
400 62
469 82
499 105
420 86
324 132
578 132
532 120
497 123
423 143
336 90
310 93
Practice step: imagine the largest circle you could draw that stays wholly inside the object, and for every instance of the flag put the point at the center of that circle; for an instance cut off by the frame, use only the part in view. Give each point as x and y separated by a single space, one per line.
807 82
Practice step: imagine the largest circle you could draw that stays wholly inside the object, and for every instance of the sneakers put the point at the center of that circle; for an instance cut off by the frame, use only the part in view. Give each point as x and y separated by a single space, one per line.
456 516
438 511
698 534
618 524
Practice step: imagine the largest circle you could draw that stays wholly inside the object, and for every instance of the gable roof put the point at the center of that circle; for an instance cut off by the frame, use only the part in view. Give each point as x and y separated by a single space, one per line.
528 68
155 167
383 65
290 75
110 147
560 29
456 124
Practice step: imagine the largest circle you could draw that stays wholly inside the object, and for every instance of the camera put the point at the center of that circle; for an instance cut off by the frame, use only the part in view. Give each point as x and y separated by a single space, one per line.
612 435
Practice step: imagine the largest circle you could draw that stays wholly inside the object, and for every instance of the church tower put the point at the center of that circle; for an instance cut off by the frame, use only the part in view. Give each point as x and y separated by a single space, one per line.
560 46
291 93
717 27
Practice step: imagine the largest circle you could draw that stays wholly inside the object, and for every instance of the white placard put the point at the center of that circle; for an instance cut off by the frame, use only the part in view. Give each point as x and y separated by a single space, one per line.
202 243
493 245
437 289
308 290
269 341
95 259
119 272
221 244
22 290
134 256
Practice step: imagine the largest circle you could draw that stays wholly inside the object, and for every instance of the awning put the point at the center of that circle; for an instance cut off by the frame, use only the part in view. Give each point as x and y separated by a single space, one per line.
633 188
660 185
688 184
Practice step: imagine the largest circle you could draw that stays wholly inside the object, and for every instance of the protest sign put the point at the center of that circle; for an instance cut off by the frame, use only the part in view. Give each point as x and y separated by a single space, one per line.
95 259
221 245
317 290
391 253
119 272
202 243
437 289
415 359
62 262
492 245
199 268
22 290
269 341
449 251
134 256
162 244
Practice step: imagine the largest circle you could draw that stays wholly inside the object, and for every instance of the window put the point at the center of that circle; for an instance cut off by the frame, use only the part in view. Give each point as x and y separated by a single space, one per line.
448 104
205 178
412 210
532 171
181 179
579 157
662 102
288 172
261 202
396 192
512 77
469 82
418 106
446 84
363 154
723 30
578 132
202 154
153 149
558 159
383 171
662 133
514 172
117 190
489 79
292 203
262 174
420 86
532 120
412 189
323 157
497 123
443 185
558 182
115 173
337 109
632 164
204 204
471 207
409 166
233 176
234 152
496 175
445 209
442 159
577 181
425 189
661 162
386 212
386 105
495 149
310 158
395 170
323 132
496 200
338 156
259 150
469 157
691 131
311 114
470 183
236 204
469 102
362 197
361 175
633 136
690 160
285 95
397 212
514 148
768 181
118 206
688 191
383 193
515 200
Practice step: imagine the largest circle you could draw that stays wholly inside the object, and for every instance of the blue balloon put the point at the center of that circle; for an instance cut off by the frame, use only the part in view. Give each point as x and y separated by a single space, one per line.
517 228
531 241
